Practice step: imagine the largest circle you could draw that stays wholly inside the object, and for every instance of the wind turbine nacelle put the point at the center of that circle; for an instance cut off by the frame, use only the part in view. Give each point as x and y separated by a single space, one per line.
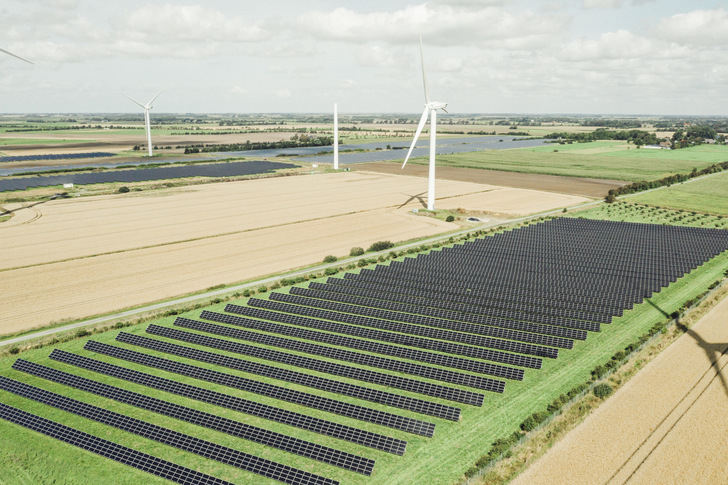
436 105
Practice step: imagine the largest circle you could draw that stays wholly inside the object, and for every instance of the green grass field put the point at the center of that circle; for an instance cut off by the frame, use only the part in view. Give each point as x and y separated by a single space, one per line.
704 195
602 159
32 458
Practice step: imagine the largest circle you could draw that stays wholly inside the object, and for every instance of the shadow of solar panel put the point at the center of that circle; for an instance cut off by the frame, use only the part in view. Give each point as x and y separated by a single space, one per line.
381 397
108 449
293 312
235 428
421 321
290 395
347 433
207 449
333 368
345 355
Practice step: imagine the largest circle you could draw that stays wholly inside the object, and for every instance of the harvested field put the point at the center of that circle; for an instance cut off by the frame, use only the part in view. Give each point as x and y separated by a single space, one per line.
74 258
584 187
668 424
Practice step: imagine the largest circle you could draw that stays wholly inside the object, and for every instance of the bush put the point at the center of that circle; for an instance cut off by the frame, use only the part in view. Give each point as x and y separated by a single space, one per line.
450 219
598 372
123 189
610 199
330 259
529 424
602 390
540 417
262 289
331 271
83 333
380 246
14 350
356 251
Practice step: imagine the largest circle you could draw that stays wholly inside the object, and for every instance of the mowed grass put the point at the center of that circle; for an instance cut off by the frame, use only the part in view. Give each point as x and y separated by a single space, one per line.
602 160
30 457
707 194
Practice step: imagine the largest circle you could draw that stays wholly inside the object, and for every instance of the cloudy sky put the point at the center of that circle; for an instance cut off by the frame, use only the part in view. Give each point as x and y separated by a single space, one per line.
482 56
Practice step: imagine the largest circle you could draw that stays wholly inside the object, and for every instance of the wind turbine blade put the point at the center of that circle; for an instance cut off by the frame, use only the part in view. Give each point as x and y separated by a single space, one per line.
423 120
137 102
149 104
424 74
16 56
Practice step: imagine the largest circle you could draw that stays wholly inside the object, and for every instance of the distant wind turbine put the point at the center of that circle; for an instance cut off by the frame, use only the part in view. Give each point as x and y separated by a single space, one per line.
431 107
336 137
146 108
16 56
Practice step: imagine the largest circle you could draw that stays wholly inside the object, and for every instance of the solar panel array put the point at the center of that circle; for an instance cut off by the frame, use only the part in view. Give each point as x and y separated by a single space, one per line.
167 436
304 399
56 156
200 418
337 387
347 433
494 306
108 449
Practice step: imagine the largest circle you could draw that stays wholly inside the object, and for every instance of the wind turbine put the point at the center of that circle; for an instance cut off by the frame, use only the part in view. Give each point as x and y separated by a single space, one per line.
146 108
431 108
16 56
336 137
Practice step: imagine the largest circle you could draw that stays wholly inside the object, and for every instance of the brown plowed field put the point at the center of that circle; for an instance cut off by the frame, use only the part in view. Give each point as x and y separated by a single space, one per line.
668 424
73 258
585 187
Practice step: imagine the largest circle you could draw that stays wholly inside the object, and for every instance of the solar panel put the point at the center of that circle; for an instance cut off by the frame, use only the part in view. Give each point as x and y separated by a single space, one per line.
347 433
374 395
235 428
333 368
108 449
207 449
290 395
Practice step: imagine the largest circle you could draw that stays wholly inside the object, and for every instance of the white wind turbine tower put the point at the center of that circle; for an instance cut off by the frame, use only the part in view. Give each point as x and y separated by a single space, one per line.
16 56
431 107
146 108
336 137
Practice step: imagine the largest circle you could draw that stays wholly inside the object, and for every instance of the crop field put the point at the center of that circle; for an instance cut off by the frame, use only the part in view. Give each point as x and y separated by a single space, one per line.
602 160
647 425
153 245
704 195
442 458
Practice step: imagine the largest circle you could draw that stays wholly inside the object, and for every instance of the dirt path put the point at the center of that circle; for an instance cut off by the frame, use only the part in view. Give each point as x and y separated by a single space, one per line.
93 255
668 424
584 187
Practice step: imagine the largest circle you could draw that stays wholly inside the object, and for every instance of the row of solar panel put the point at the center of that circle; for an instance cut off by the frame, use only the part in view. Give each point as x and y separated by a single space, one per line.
402 328
57 156
449 325
235 428
455 306
166 436
478 300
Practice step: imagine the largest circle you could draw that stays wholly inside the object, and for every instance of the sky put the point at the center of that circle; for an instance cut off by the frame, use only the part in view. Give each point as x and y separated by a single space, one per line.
658 57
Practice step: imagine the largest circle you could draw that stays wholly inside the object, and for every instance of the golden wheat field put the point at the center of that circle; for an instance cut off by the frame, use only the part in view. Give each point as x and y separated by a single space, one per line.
668 424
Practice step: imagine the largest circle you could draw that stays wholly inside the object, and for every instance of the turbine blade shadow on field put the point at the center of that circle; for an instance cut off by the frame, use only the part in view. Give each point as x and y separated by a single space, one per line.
713 351
413 197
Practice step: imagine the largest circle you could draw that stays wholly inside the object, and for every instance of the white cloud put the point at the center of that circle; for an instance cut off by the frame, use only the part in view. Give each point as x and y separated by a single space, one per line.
347 83
239 90
283 93
440 23
602 3
699 27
